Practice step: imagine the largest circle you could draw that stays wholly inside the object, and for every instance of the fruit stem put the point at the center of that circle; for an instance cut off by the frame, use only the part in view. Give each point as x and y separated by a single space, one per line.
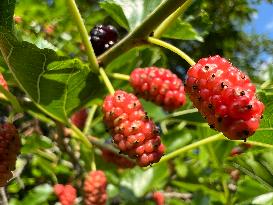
89 119
106 81
12 99
171 48
94 141
84 34
93 161
120 76
179 113
108 147
137 35
260 144
177 152
86 130
171 19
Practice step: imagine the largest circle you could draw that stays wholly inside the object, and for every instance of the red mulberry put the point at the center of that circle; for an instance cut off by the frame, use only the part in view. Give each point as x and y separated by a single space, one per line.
160 86
225 97
9 149
95 188
159 198
79 118
66 194
133 132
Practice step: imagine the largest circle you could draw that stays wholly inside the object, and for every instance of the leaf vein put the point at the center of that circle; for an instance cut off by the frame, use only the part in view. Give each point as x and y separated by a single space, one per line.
66 93
39 79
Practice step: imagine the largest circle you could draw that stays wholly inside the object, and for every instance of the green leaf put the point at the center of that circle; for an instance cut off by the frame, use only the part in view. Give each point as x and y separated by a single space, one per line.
264 199
56 88
182 30
142 182
75 63
6 14
248 189
116 12
253 166
134 11
38 195
264 134
176 139
143 56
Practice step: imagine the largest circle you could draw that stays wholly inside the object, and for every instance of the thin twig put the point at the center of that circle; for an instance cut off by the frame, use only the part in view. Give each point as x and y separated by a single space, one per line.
65 148
184 196
3 196
108 147
136 37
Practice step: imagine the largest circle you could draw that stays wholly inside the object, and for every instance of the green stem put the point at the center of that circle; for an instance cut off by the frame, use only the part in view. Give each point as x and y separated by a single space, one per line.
120 76
85 132
177 152
89 119
108 147
96 121
179 113
141 32
171 19
260 144
49 156
66 148
74 11
12 99
79 135
93 161
171 48
265 129
106 81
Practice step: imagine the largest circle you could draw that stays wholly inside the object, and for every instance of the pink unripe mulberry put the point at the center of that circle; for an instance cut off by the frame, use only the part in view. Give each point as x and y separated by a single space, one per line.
133 132
95 188
66 194
160 86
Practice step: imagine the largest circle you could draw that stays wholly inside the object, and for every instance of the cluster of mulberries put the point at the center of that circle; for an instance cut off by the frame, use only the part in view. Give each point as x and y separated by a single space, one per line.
95 188
66 194
9 149
134 133
225 97
160 86
117 159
